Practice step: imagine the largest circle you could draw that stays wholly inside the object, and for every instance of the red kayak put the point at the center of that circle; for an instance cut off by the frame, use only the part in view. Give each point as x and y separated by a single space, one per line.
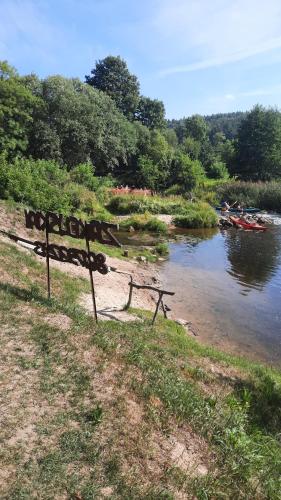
247 225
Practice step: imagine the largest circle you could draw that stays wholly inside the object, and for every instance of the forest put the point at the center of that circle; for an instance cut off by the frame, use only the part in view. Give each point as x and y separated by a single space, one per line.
102 131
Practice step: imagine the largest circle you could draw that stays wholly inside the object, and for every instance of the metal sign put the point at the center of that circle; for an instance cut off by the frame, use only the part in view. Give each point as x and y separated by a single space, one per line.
93 231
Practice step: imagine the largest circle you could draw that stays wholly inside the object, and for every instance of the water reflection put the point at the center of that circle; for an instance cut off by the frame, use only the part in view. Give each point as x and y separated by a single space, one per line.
253 257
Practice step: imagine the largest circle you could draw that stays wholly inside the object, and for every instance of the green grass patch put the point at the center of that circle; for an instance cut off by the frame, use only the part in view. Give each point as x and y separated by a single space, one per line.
196 215
131 204
145 222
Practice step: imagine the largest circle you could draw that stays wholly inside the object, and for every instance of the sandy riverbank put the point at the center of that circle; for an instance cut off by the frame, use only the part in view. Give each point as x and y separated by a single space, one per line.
111 290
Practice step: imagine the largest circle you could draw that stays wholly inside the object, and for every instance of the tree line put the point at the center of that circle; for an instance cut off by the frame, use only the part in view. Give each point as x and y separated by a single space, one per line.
106 123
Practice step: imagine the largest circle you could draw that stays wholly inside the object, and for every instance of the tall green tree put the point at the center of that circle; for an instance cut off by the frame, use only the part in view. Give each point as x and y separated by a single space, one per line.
196 127
16 107
111 75
185 172
258 149
77 123
151 113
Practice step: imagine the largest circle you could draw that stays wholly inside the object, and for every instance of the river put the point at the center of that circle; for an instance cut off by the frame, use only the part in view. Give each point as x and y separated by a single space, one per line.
228 285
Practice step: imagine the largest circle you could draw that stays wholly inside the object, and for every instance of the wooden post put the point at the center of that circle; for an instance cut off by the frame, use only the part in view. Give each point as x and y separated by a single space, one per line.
157 307
91 280
130 295
164 309
47 256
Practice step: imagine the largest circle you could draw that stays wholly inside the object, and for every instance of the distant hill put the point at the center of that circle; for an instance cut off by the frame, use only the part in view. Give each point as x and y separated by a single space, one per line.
228 123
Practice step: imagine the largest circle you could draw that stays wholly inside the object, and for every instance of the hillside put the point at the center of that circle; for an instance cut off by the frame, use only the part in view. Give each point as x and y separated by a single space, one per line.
124 410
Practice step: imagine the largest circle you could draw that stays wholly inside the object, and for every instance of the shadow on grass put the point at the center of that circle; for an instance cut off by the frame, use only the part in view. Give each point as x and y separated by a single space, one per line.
263 398
35 295
27 295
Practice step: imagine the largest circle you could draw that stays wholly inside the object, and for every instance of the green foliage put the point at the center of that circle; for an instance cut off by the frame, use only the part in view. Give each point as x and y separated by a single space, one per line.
127 204
151 112
162 248
225 123
16 107
191 147
218 170
196 127
77 124
144 222
148 174
84 174
45 185
197 215
186 172
112 76
265 195
259 145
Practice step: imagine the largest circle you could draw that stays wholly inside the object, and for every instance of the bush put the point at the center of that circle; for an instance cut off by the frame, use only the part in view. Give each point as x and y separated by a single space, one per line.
84 174
197 215
45 185
162 248
145 222
218 170
129 204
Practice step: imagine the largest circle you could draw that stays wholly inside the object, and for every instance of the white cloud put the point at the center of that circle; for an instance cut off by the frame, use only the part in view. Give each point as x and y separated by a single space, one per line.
209 34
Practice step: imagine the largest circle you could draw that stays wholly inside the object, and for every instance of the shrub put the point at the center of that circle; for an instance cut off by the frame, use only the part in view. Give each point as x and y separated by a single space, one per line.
162 248
129 204
264 195
197 215
45 185
218 170
84 174
145 222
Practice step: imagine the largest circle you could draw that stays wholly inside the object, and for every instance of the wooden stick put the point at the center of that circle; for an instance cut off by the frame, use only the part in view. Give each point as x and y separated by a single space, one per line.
130 295
149 287
92 281
47 257
163 309
157 307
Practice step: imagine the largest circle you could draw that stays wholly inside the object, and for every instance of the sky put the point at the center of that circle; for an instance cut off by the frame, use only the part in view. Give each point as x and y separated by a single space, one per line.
197 56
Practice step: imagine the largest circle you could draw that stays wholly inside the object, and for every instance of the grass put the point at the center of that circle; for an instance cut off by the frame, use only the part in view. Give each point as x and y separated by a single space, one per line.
132 204
264 195
93 410
197 215
145 222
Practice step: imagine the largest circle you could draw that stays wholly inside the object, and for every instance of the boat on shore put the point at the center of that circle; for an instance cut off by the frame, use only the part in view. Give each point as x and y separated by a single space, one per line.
249 210
246 225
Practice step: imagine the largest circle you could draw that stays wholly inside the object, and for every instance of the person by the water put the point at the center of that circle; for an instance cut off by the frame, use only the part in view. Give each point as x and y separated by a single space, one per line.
225 206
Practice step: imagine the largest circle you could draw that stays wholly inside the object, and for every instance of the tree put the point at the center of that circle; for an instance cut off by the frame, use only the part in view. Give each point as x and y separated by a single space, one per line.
191 147
151 113
218 170
148 174
16 106
258 149
186 172
77 123
112 76
196 127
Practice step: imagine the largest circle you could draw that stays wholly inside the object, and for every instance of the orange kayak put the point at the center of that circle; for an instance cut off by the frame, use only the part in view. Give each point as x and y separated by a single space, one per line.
246 225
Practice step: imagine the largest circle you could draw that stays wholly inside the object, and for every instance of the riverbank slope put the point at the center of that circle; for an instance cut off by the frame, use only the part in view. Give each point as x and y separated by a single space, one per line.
120 410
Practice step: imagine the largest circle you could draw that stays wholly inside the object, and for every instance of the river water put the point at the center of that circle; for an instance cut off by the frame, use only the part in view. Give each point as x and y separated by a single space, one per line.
228 285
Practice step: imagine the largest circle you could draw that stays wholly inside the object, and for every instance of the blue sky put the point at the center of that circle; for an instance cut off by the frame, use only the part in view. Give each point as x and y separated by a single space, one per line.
198 56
